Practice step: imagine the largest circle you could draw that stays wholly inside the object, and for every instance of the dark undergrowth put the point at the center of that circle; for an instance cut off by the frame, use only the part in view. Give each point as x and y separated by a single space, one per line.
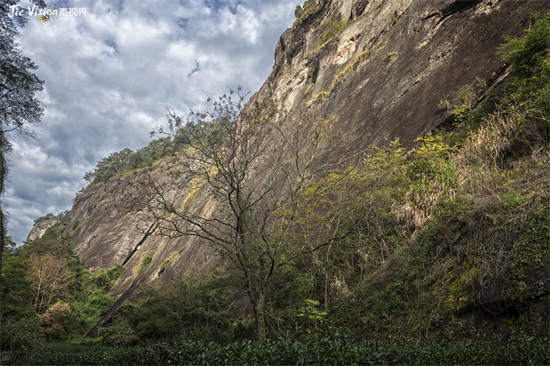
334 350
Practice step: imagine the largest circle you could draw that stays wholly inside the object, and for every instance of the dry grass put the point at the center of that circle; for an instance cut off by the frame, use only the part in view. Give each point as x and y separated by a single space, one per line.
419 204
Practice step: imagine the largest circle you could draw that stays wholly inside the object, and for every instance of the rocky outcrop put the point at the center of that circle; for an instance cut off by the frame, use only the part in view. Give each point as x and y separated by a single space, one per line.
40 228
107 229
378 69
386 72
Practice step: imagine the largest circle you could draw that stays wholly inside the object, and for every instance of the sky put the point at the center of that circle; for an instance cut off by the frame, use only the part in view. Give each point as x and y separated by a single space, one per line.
111 70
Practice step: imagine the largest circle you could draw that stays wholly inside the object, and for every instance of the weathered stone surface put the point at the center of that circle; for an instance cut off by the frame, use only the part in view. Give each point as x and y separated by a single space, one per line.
108 229
40 228
382 76
385 74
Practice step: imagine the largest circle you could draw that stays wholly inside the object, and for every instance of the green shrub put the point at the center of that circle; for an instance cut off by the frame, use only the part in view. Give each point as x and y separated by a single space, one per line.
298 11
302 12
332 29
530 255
86 311
20 337
120 162
512 200
119 334
145 262
104 279
310 316
190 308
527 52
334 349
391 57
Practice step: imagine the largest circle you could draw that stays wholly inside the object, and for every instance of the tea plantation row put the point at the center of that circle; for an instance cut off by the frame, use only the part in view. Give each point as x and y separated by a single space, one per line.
320 351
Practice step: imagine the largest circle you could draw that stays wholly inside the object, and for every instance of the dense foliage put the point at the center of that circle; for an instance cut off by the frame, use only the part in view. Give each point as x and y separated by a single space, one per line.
191 308
46 294
19 107
126 160
470 203
438 255
333 350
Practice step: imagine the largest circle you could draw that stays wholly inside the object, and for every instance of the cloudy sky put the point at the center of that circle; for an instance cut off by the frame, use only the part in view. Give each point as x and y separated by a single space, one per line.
111 73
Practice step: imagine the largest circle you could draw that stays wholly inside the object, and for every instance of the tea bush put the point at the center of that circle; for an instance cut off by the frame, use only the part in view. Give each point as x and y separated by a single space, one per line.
317 350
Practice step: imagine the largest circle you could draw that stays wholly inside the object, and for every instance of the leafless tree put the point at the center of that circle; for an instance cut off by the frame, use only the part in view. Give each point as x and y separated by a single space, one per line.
253 170
51 278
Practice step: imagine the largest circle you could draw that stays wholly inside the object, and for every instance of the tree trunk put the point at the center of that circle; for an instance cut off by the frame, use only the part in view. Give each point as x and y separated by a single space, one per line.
325 266
2 179
259 312
2 231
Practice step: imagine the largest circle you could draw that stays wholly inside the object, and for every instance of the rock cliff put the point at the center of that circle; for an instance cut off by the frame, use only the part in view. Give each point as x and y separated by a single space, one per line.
40 228
378 69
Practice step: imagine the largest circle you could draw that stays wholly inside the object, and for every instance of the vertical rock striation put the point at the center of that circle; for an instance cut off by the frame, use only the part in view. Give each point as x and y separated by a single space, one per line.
378 69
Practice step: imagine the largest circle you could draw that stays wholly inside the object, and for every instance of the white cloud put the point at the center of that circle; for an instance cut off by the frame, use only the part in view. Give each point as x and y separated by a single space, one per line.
111 74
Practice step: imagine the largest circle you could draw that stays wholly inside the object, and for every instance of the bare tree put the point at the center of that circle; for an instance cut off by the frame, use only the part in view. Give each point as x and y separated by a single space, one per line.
254 171
51 278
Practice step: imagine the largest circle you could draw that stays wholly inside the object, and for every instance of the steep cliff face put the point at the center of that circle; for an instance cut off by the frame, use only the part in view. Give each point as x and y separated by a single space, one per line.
40 228
381 68
108 230
378 69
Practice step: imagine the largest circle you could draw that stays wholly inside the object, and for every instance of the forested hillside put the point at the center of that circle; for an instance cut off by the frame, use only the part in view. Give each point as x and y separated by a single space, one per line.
430 251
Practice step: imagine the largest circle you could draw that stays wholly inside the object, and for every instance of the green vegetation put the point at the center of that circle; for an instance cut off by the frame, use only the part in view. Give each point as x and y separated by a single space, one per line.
529 53
321 350
145 262
391 57
356 62
332 28
118 163
302 12
19 107
405 257
47 294
467 100
191 308
362 57
468 203
126 160
51 216
19 338
338 78
319 96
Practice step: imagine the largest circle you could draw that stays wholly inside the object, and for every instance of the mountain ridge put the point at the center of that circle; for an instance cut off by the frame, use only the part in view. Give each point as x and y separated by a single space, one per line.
377 70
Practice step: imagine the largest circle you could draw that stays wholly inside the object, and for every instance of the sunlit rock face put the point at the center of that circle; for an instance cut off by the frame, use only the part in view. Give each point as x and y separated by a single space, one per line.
377 69
40 228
